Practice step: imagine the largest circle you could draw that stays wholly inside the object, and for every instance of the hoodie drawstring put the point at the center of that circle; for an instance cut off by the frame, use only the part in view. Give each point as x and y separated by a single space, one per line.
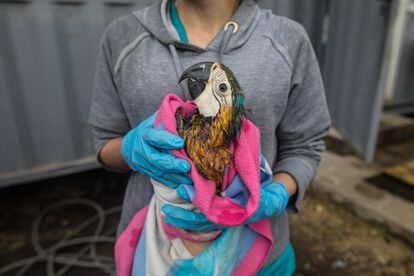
179 70
230 28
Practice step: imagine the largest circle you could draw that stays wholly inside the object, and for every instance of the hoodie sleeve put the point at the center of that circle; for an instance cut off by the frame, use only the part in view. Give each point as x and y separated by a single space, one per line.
107 115
305 121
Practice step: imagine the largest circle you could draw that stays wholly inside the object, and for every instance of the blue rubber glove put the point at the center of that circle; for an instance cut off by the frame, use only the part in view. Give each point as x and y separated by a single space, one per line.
188 220
273 201
145 149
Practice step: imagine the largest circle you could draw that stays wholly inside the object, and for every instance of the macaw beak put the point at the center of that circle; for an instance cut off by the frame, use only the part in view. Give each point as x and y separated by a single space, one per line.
197 75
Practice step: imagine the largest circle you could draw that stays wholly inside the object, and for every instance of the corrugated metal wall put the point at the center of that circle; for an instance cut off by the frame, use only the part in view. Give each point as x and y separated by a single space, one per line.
403 96
47 61
351 69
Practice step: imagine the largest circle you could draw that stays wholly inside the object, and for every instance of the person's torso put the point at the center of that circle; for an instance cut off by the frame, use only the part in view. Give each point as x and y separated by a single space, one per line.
148 74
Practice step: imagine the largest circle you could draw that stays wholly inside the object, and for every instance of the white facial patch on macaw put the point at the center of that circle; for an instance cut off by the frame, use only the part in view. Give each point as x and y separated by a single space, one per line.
216 93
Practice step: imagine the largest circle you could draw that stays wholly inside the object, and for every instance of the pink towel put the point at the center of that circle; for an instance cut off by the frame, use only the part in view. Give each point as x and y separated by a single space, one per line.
220 210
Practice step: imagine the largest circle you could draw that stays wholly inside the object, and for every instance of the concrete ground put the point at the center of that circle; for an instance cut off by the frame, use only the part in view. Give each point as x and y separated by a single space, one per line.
346 189
379 191
328 238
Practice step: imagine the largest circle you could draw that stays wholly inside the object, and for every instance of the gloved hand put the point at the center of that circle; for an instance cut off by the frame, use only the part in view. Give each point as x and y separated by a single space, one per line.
273 201
186 219
145 149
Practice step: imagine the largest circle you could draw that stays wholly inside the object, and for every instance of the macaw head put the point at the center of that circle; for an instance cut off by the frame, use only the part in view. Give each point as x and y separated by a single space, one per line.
211 86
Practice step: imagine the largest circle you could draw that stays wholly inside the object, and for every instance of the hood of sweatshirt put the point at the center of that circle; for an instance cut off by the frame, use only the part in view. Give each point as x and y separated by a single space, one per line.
156 20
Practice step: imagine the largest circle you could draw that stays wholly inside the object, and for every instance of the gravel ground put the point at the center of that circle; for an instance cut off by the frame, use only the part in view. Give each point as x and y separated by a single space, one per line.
328 239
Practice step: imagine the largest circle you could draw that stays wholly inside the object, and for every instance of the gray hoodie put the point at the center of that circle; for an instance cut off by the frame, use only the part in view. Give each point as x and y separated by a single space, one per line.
141 59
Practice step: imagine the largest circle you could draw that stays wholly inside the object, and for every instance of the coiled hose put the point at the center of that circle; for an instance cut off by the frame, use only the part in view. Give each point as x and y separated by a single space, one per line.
86 256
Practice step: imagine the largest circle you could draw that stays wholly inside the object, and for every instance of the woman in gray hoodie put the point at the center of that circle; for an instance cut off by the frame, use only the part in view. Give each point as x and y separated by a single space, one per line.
141 59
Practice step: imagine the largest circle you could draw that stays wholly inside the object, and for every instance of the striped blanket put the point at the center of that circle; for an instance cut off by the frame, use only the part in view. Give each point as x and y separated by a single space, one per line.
149 246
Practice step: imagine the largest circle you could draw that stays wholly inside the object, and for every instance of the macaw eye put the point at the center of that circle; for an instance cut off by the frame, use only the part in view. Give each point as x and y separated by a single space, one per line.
222 87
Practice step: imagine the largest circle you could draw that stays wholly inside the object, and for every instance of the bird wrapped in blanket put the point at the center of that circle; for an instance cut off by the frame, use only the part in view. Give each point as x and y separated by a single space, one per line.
209 133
